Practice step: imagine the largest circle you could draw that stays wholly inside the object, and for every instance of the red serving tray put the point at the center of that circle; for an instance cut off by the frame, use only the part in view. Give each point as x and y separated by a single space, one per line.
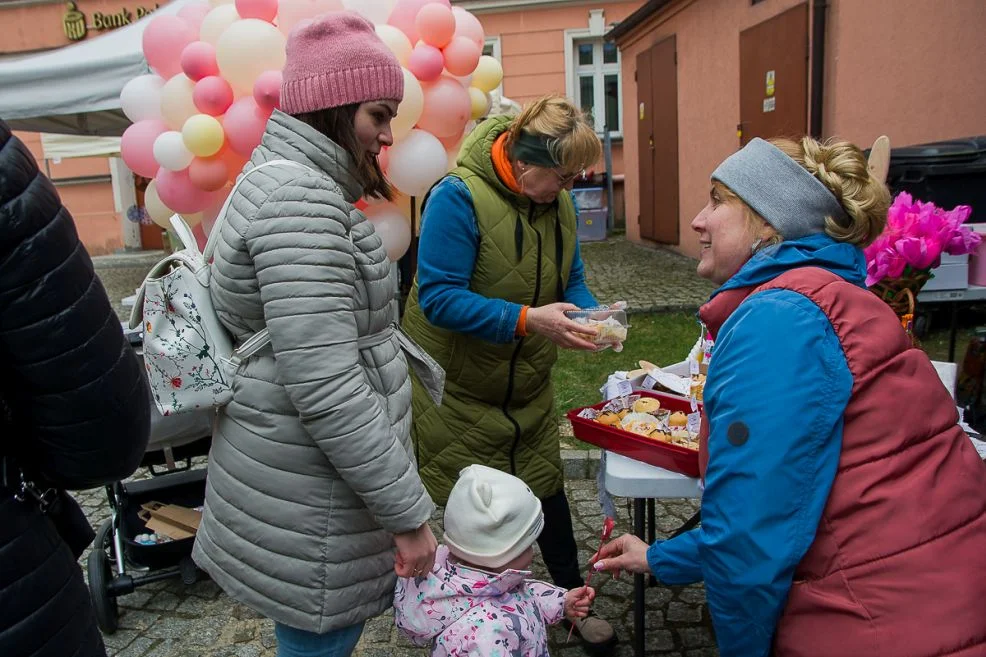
663 455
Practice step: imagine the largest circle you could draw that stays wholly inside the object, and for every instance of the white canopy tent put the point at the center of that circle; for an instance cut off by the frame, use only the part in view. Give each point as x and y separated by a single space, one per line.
75 90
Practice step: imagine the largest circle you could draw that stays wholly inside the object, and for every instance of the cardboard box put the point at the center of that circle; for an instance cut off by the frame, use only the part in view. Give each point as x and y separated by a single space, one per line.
171 520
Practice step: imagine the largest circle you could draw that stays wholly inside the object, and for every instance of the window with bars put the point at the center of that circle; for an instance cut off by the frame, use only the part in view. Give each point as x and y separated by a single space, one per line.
597 82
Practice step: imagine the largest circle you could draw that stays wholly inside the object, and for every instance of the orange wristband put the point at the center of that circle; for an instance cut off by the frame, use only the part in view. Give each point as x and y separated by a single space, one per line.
522 322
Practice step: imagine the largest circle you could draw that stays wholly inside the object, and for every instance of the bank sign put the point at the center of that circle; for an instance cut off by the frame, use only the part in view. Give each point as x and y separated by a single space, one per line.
76 26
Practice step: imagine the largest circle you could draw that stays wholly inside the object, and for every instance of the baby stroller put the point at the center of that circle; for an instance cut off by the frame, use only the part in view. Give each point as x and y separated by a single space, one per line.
118 564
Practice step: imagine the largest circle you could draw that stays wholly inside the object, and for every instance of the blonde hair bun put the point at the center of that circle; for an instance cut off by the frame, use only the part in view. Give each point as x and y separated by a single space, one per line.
843 169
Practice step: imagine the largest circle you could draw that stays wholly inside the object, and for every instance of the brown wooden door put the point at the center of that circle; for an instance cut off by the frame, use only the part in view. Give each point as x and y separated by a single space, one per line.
774 76
657 134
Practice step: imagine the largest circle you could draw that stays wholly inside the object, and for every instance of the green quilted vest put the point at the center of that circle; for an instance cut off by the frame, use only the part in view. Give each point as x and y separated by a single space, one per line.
498 408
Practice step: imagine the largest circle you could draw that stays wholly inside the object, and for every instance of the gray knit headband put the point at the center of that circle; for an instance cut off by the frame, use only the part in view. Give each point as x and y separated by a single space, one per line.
779 189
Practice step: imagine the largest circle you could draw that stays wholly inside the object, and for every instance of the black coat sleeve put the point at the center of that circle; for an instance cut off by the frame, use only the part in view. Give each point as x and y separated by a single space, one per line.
73 387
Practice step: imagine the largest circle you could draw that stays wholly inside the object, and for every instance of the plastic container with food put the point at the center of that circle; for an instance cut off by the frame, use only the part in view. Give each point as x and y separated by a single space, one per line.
611 324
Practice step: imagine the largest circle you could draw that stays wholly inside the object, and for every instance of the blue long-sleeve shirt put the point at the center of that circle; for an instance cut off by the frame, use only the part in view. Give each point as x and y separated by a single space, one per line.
777 390
447 254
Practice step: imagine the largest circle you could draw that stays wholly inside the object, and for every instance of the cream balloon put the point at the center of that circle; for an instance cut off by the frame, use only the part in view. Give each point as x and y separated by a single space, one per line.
396 41
216 22
193 219
481 103
409 111
416 162
170 151
219 3
176 101
246 49
488 74
375 11
155 208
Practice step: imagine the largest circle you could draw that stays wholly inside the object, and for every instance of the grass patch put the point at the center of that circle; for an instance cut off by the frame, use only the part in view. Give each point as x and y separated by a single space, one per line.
661 338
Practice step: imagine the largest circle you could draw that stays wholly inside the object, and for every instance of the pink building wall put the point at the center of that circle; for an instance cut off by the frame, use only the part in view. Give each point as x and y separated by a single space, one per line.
912 69
85 189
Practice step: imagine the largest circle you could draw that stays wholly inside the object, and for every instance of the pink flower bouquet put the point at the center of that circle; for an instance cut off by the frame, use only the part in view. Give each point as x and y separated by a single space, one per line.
914 238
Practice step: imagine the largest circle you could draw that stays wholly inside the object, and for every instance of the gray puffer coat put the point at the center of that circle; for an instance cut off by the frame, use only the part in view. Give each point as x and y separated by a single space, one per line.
311 468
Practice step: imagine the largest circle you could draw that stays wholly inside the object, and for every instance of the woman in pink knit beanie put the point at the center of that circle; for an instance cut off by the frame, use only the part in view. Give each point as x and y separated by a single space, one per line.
312 481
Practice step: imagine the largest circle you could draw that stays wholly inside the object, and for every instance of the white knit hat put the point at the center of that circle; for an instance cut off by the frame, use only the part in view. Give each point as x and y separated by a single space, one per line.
491 517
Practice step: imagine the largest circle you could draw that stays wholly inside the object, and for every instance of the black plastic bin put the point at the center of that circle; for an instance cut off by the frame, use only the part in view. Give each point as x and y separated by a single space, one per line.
946 173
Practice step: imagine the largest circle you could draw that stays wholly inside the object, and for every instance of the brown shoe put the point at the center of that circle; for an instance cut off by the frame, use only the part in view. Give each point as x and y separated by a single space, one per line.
597 635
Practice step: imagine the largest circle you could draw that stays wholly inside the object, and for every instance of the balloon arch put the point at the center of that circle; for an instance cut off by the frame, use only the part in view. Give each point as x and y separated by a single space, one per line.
217 79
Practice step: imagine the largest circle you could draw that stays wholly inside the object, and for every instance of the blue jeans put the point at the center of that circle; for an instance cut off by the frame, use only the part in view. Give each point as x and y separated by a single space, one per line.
292 642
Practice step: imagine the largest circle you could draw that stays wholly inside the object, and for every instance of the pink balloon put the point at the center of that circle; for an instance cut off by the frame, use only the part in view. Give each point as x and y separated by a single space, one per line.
178 193
194 14
244 123
406 12
265 10
211 211
267 89
468 26
164 39
208 173
137 146
212 95
198 60
426 62
461 56
436 24
447 108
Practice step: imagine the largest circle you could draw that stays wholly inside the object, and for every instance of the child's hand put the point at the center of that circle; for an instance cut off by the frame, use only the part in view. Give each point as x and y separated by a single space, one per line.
578 601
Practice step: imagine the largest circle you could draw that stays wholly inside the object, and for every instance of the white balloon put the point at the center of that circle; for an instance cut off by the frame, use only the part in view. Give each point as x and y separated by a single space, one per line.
170 151
140 98
410 108
416 162
394 230
375 11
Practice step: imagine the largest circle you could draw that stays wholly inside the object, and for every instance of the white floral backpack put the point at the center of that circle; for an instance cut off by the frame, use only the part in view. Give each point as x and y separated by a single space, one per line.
188 354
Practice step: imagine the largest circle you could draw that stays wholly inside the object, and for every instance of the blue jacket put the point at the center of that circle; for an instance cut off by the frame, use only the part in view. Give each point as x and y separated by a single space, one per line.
773 446
446 257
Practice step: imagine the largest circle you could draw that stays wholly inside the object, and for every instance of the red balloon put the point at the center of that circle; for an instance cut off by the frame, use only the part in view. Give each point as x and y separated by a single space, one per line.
208 173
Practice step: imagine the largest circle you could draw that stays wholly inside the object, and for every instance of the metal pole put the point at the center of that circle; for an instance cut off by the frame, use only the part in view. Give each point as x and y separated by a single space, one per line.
608 153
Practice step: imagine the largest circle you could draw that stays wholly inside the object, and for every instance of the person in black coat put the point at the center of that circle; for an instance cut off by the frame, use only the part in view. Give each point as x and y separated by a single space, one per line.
73 412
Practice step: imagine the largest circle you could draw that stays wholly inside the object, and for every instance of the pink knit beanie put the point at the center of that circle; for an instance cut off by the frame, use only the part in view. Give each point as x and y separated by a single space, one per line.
336 60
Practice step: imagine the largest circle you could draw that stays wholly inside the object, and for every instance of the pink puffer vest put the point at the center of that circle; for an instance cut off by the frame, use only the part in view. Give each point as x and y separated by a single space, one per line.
898 564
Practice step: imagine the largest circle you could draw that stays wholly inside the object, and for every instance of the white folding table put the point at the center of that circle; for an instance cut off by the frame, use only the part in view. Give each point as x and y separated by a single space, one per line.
626 477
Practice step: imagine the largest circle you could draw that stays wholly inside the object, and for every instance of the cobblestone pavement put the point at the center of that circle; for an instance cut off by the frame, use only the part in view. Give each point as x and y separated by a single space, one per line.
169 619
649 279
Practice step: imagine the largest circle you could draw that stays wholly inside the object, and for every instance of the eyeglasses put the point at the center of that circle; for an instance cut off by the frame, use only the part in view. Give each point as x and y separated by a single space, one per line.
568 179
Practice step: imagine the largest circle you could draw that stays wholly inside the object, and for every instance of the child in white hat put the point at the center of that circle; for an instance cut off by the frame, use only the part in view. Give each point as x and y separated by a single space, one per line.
479 598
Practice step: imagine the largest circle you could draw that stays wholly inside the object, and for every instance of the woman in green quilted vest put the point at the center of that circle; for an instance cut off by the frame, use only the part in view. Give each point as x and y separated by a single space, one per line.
498 264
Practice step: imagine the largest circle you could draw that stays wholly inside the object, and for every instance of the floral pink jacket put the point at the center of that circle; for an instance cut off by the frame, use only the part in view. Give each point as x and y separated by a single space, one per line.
464 612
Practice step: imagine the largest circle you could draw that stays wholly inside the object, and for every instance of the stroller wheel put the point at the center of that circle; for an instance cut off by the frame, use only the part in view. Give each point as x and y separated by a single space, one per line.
100 574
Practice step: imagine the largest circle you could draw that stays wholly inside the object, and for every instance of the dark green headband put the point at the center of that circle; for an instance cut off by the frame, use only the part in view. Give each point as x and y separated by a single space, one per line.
533 150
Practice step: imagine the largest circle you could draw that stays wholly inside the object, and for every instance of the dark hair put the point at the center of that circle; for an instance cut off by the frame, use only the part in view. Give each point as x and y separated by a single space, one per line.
339 125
